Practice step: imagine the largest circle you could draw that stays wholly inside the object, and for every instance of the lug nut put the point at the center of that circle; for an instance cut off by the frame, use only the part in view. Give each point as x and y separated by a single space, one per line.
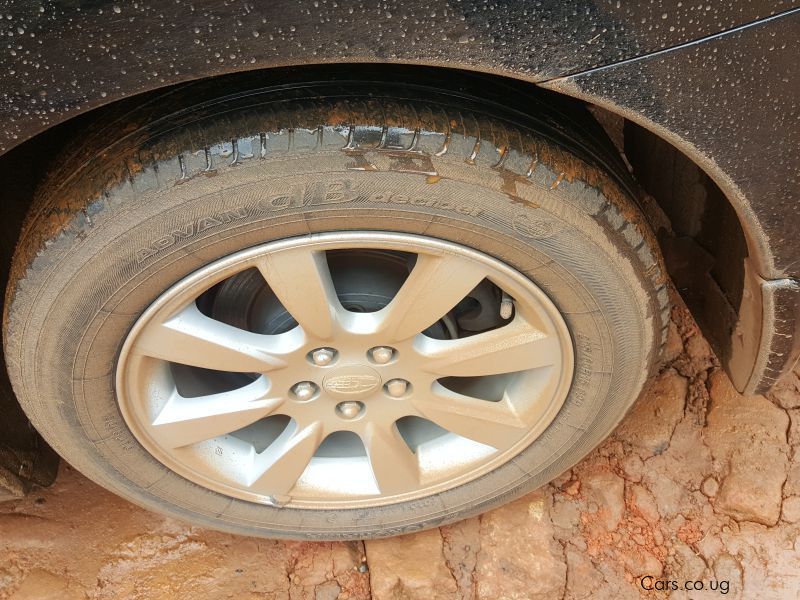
382 354
322 356
349 410
397 387
304 390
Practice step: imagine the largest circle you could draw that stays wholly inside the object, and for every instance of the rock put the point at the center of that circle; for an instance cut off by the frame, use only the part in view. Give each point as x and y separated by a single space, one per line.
658 537
642 501
668 492
792 485
653 418
519 559
639 562
728 571
565 513
786 392
748 435
633 467
327 591
571 488
709 487
410 567
606 490
790 512
748 494
687 566
583 580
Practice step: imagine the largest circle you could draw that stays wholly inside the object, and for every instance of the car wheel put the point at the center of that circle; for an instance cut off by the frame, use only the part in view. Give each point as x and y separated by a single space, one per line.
333 311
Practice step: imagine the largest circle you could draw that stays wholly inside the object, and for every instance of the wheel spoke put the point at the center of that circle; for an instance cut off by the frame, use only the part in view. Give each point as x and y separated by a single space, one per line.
185 421
302 282
491 423
191 338
276 470
514 347
433 288
394 465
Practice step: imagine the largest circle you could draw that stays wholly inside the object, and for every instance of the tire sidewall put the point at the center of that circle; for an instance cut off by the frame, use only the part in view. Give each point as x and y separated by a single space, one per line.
142 242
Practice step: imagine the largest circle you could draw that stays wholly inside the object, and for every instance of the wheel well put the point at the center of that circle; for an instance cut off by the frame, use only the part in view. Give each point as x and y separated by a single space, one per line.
705 250
700 234
701 238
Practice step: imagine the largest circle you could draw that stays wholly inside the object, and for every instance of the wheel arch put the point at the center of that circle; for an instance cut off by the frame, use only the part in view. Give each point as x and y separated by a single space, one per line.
735 320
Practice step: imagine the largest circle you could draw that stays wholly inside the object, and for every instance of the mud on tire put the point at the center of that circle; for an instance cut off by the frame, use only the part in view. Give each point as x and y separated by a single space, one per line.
152 195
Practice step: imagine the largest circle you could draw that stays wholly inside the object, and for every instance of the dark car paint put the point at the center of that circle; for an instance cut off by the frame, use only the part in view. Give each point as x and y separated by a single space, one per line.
732 99
717 79
731 104
63 57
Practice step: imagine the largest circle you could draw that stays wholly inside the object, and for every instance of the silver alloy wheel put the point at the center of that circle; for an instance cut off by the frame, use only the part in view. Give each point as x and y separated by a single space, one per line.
344 409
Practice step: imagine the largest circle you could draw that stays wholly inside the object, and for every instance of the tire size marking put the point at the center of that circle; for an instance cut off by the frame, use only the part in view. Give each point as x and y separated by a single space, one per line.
317 193
297 196
189 230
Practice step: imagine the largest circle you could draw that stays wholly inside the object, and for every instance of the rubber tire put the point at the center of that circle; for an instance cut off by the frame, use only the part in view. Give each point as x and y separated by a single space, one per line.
136 208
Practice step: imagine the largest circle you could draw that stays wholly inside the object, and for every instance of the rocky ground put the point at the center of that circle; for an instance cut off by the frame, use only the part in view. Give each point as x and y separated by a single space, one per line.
699 484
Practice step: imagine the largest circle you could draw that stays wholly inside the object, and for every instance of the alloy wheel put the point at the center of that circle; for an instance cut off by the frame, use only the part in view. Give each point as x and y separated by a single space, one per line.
344 369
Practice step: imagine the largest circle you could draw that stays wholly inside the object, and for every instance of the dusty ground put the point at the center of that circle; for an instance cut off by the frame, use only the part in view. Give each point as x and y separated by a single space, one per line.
698 484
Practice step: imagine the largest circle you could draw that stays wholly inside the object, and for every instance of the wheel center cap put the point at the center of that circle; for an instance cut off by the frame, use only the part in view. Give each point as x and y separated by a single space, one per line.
351 382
